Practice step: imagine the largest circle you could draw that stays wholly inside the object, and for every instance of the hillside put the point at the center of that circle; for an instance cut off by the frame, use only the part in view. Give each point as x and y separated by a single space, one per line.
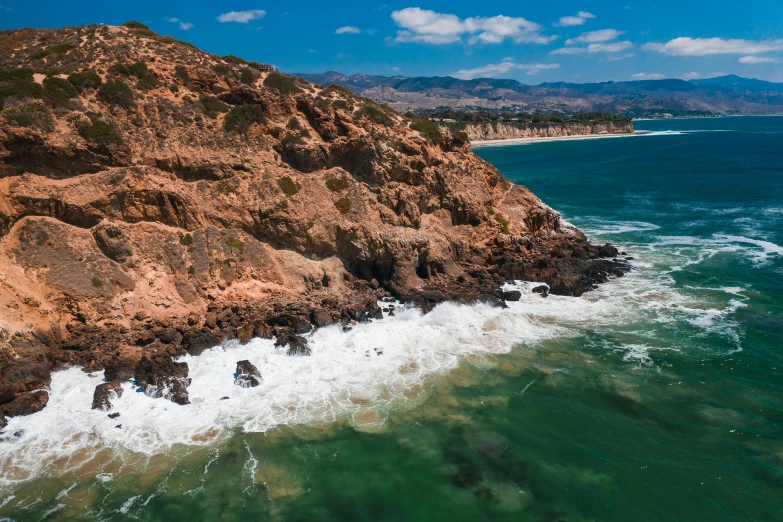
157 200
727 95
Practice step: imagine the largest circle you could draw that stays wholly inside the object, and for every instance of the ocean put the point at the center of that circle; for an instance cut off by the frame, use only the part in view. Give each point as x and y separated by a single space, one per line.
658 396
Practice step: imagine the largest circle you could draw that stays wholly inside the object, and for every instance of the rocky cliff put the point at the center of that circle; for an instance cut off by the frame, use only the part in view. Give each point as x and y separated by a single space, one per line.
507 131
157 200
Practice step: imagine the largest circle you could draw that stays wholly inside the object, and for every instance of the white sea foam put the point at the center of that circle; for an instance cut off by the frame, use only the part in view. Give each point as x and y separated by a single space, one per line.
758 250
604 227
356 376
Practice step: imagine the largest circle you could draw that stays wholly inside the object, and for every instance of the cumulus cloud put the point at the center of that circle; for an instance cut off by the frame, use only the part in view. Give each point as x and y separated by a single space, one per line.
348 29
579 19
647 76
614 47
492 70
618 58
425 26
182 25
603 35
758 59
686 46
242 17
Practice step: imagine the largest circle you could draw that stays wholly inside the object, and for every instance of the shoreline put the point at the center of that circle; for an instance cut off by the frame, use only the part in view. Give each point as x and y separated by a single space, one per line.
524 141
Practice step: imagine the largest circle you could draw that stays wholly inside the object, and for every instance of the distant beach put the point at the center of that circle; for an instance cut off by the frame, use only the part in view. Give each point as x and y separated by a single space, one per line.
523 141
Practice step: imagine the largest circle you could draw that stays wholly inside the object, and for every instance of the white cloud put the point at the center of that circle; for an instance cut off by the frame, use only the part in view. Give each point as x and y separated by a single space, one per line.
690 76
602 35
242 17
492 70
758 59
579 19
615 47
685 46
348 29
182 25
646 76
425 26
618 58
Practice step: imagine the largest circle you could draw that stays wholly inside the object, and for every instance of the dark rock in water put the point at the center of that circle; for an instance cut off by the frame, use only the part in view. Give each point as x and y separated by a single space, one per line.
201 340
114 415
607 250
160 376
492 300
629 258
104 393
118 426
297 345
224 398
378 351
512 295
248 375
3 421
542 289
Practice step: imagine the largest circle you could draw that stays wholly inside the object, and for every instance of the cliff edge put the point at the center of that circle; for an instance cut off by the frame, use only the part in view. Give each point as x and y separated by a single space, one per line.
157 200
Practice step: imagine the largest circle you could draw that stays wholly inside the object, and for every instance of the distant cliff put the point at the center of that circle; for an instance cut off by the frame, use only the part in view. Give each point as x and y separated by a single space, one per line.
507 131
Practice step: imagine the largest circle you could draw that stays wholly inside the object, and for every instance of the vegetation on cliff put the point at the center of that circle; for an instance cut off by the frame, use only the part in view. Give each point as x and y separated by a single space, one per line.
156 200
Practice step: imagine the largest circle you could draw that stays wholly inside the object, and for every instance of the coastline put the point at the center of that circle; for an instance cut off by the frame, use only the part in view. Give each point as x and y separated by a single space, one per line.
524 141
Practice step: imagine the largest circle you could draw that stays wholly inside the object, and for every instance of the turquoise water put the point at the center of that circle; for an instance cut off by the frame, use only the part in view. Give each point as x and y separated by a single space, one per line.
657 397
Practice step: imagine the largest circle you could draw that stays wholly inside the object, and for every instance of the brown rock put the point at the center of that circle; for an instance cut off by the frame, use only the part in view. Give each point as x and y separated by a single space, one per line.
104 392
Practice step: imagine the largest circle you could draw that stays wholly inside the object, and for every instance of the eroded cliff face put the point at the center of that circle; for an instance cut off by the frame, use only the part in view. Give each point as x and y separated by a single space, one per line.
197 199
507 131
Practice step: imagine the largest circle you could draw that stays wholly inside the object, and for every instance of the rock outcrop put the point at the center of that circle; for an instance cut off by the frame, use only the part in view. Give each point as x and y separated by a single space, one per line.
247 375
510 130
156 200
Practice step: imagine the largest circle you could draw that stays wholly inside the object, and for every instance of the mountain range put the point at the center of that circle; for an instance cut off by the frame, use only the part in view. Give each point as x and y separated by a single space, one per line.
724 95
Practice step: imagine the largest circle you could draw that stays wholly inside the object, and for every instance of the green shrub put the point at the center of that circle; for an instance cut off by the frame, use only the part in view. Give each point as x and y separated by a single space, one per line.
147 82
185 240
503 224
224 188
460 137
337 184
31 114
236 60
234 242
490 210
288 186
60 48
343 205
211 105
147 79
246 76
428 129
242 117
96 282
85 80
340 88
19 89
221 69
115 92
373 113
133 24
181 72
281 83
98 130
16 74
58 92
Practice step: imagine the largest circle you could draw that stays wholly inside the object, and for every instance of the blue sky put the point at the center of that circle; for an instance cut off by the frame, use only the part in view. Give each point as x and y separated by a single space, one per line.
533 42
